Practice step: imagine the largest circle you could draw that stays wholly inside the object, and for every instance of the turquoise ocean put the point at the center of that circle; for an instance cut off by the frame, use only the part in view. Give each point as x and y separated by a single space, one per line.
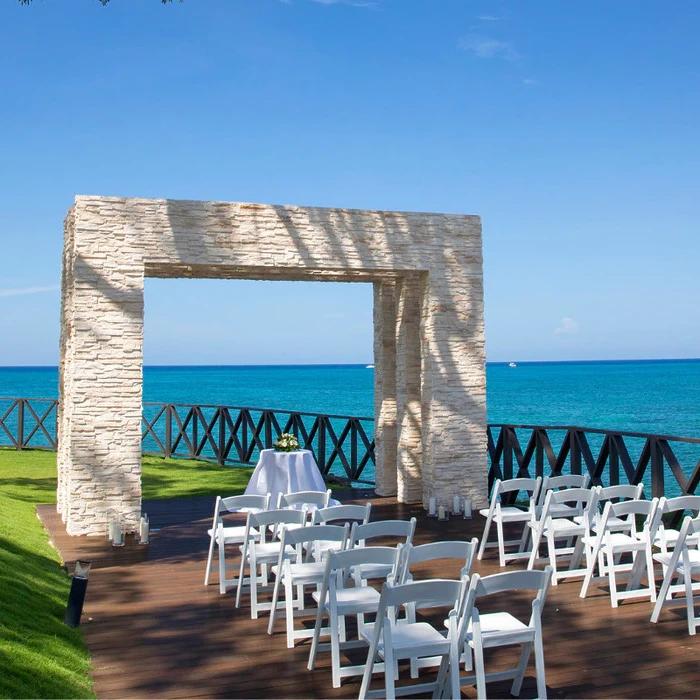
660 396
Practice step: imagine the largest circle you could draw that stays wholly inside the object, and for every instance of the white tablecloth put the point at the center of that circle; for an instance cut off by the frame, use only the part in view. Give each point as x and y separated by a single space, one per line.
285 472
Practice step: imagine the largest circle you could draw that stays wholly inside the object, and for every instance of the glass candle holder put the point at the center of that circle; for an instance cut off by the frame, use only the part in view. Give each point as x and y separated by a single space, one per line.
143 530
117 540
456 505
432 507
467 508
443 513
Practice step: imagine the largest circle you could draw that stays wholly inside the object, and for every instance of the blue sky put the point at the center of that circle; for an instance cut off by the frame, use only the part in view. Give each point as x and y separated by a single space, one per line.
572 128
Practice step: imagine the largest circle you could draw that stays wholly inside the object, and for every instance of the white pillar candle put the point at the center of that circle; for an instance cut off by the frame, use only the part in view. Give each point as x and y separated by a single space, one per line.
117 541
467 512
456 504
110 535
432 506
143 531
442 513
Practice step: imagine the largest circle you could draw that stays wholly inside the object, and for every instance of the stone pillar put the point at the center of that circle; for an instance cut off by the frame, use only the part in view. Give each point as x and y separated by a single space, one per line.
408 389
385 433
99 454
453 385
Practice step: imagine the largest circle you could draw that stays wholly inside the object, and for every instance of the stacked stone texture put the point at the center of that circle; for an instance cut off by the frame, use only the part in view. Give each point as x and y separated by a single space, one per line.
429 333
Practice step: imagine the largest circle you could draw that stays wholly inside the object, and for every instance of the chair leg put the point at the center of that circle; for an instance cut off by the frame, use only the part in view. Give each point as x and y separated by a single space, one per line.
442 678
275 598
241 573
690 608
612 577
484 539
317 635
650 574
592 557
479 671
210 558
222 568
253 589
534 553
539 665
501 539
335 650
552 551
289 609
664 594
389 673
521 668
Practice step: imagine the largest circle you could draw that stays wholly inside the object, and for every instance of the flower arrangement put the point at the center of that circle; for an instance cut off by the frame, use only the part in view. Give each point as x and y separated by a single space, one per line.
286 443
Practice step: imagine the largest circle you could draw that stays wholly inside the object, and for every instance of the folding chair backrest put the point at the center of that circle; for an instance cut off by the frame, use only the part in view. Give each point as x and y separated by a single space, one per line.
524 484
275 518
625 492
452 549
232 504
513 581
343 513
316 533
636 507
681 503
383 528
345 560
579 496
320 499
433 593
564 481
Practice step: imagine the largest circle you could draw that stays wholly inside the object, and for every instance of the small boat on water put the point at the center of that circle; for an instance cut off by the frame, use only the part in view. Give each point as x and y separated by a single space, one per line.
369 367
512 364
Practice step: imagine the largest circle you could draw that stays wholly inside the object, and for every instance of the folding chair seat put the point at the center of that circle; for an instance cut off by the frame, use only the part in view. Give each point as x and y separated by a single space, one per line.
484 631
302 570
391 640
604 550
359 534
340 596
257 552
221 534
560 483
554 529
308 500
499 514
684 562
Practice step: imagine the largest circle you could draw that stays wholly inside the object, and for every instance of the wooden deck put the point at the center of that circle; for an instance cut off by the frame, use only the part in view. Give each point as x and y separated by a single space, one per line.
154 630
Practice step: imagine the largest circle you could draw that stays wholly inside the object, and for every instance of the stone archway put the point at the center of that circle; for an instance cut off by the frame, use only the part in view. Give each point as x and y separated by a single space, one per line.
430 387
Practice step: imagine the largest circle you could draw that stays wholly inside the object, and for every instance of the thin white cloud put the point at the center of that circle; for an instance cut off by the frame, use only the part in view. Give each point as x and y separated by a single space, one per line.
566 327
27 290
530 81
488 18
484 46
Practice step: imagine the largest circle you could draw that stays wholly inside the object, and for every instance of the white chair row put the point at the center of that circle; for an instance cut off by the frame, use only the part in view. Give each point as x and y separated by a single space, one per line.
221 534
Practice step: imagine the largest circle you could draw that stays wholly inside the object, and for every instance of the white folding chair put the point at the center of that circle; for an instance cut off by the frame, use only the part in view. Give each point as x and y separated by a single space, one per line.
554 529
665 537
392 640
261 553
504 514
338 598
220 534
479 632
683 561
409 555
403 530
303 571
560 483
613 544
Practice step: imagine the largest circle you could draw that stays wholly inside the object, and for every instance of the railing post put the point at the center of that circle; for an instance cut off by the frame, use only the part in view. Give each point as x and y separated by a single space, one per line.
194 422
613 461
574 452
222 436
507 454
20 424
268 430
539 455
657 468
353 448
322 443
168 431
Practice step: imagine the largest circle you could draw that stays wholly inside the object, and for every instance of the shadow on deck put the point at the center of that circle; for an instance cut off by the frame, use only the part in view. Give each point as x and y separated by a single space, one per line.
154 630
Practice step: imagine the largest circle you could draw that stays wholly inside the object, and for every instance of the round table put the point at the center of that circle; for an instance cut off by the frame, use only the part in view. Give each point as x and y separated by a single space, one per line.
285 472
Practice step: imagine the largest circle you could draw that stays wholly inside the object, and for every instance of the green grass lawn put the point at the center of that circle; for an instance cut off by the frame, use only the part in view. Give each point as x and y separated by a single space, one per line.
39 656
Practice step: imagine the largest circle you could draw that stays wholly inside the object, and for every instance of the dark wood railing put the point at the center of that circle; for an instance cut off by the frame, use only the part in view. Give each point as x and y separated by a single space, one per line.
610 457
344 445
